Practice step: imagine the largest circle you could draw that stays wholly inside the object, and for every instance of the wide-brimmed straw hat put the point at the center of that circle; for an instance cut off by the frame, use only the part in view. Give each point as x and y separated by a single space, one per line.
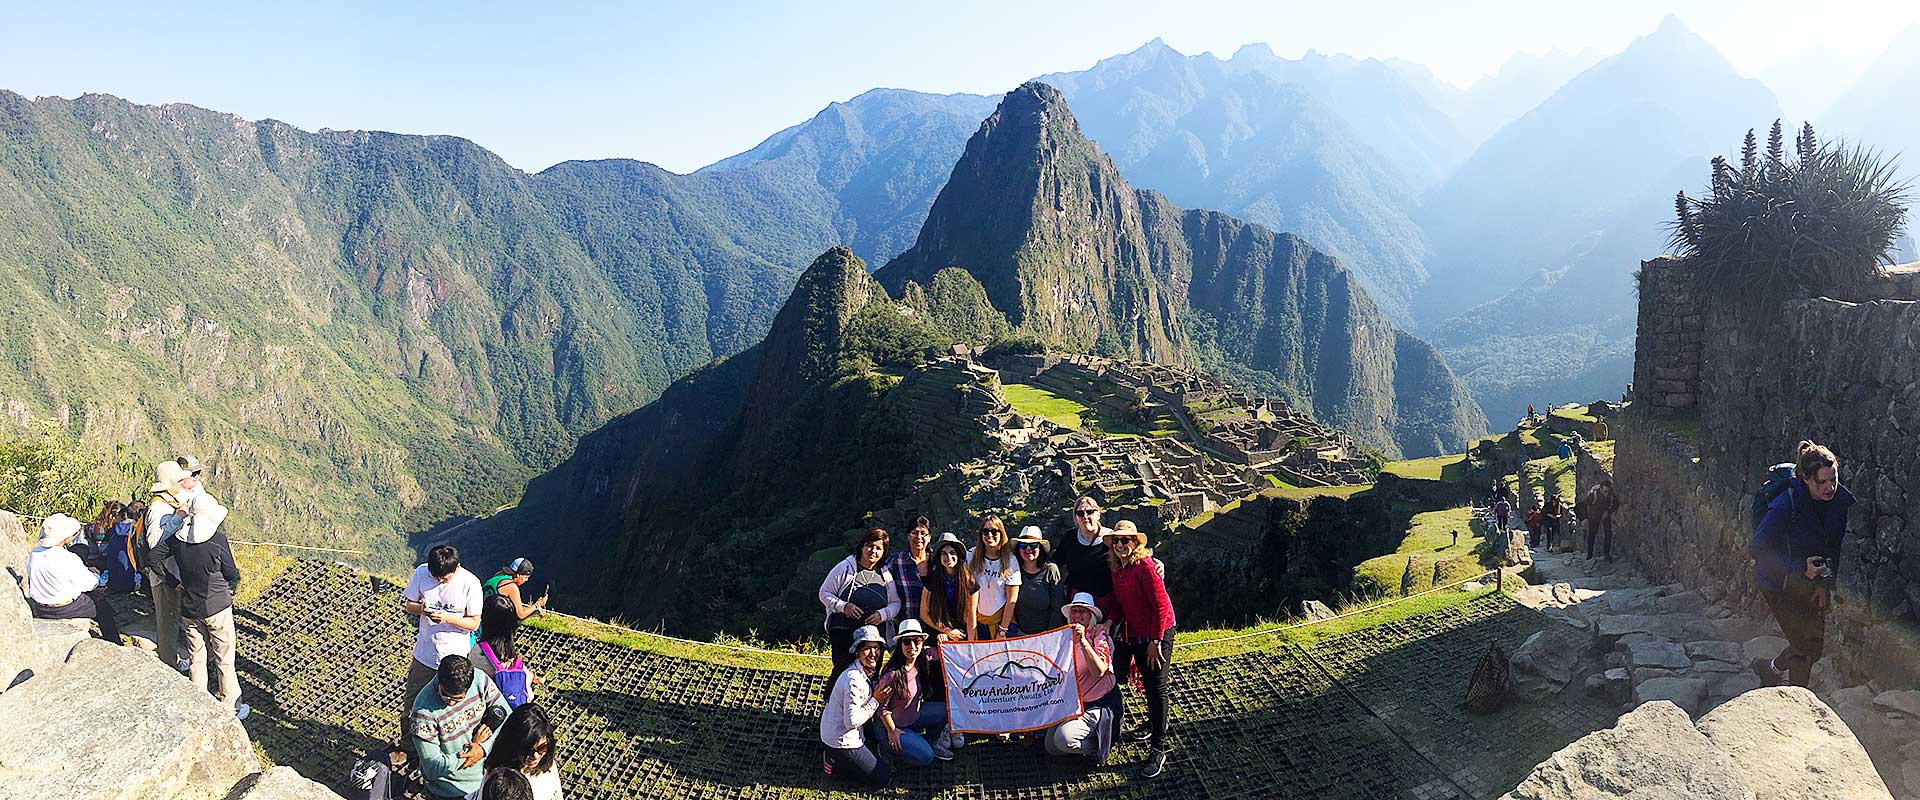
909 629
867 633
1031 535
57 529
1084 600
1126 528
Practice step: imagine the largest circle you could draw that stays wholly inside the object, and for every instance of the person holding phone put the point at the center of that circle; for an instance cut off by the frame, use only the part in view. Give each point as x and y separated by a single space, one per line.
857 592
1795 549
852 700
508 582
446 600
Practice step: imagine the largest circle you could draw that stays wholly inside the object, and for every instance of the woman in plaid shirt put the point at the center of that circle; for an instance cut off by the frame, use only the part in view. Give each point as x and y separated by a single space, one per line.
906 566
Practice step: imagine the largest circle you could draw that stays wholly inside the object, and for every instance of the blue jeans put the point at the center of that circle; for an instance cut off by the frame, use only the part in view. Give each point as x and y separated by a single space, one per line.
915 740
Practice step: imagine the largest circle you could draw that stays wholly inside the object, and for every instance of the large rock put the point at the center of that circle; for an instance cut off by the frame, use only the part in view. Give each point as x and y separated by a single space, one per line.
1726 652
1652 752
1905 701
1664 655
1549 660
1763 647
111 723
1686 693
280 783
1791 746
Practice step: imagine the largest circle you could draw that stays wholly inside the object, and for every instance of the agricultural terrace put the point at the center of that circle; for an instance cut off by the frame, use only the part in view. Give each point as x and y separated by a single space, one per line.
1365 706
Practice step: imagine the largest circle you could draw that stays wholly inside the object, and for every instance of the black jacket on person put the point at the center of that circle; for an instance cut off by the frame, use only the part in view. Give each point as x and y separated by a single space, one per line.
206 573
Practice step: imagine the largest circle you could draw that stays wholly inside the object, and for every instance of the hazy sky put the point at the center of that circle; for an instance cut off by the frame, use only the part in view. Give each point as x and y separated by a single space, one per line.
685 84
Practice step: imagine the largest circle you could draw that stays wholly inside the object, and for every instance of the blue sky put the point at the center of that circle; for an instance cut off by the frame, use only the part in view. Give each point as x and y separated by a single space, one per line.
685 84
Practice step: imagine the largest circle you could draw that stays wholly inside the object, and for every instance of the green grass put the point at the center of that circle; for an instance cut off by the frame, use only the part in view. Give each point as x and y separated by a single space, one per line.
1429 540
1434 468
1602 452
623 637
1217 642
1037 402
1576 414
1547 475
1284 489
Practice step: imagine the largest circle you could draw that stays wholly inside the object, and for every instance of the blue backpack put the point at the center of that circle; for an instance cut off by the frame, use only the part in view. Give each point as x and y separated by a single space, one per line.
1770 487
513 680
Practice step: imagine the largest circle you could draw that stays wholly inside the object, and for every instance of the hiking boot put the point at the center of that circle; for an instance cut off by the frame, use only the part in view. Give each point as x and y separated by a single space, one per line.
956 740
1769 676
1156 762
941 751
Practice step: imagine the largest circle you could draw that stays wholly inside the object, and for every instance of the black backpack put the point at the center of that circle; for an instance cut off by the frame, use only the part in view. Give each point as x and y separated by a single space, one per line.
1771 486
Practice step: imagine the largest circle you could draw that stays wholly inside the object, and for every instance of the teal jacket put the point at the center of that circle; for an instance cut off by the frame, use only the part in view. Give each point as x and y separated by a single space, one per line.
441 731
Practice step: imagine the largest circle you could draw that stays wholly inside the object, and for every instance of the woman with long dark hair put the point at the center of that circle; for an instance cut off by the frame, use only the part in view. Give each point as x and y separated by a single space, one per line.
946 607
526 743
908 721
497 655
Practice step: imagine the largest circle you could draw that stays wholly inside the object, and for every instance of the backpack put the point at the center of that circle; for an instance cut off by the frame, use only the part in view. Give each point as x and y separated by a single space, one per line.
513 680
868 590
1492 677
1771 486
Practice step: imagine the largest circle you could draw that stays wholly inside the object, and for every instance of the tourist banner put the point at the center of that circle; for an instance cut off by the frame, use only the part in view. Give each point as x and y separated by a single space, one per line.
1010 685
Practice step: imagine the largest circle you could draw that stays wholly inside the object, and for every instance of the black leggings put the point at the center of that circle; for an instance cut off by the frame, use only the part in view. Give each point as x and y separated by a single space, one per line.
839 642
1152 679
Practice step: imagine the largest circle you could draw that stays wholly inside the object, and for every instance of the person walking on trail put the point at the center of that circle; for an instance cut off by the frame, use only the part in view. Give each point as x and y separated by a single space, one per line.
1796 549
1600 504
507 583
1146 639
196 555
1081 551
1550 518
1500 513
452 723
445 599
175 484
59 585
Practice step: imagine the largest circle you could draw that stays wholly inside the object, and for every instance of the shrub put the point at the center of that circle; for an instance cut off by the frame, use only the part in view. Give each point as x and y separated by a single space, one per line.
47 472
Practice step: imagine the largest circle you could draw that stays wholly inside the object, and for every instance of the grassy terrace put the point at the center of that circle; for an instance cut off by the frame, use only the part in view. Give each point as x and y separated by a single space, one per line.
322 653
1430 543
1434 468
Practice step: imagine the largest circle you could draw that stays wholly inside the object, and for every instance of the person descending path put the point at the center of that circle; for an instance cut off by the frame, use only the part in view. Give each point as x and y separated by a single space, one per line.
59 585
852 701
194 553
1795 549
1146 640
507 583
1090 734
445 599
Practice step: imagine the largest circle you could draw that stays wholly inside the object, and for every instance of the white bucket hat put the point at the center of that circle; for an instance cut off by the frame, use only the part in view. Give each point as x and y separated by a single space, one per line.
909 629
1084 600
57 529
169 472
867 633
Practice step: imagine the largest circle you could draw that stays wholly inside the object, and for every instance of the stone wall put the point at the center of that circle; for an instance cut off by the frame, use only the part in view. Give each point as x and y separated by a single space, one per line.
1841 373
1666 363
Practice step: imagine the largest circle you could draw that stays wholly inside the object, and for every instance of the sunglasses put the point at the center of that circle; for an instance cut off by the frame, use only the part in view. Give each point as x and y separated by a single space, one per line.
1028 546
1086 512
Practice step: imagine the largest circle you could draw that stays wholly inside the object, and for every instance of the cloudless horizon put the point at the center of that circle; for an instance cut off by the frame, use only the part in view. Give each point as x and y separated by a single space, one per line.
686 85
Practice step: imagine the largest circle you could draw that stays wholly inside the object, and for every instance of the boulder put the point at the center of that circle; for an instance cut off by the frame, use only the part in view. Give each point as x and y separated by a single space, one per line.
1653 751
1665 655
1609 629
1614 686
166 738
1315 611
1791 746
1726 687
1904 701
1688 602
1548 661
1686 693
1763 647
280 783
1726 652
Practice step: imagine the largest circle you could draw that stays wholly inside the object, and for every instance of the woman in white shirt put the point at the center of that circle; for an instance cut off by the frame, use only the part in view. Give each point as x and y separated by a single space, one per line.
525 743
851 703
856 592
998 573
60 586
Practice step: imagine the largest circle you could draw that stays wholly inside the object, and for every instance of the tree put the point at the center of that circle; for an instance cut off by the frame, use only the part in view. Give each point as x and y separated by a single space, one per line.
1828 219
48 472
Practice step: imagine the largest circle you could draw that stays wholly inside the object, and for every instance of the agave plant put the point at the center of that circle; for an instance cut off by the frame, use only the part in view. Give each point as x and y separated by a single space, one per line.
1827 219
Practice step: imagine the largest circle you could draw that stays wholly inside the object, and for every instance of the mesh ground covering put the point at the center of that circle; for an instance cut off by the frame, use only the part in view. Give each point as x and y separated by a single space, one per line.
322 652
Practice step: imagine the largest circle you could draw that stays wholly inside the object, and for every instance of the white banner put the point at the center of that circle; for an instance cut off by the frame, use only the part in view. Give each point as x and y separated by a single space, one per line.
1010 685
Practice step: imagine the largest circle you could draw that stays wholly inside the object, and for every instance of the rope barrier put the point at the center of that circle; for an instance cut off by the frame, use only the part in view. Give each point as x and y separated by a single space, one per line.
297 547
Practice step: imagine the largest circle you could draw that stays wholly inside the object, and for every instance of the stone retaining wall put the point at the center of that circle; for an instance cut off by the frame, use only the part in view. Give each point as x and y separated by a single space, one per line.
1666 363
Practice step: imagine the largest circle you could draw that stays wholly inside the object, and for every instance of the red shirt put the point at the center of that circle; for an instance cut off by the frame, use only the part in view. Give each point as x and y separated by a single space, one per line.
1140 592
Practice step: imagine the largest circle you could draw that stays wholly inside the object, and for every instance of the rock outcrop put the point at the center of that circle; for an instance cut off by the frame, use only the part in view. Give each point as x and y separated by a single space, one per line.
1770 743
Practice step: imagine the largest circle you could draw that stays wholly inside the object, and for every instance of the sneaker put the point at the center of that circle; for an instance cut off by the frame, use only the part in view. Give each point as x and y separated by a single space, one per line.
242 710
1156 762
956 741
1140 733
941 751
184 665
1769 676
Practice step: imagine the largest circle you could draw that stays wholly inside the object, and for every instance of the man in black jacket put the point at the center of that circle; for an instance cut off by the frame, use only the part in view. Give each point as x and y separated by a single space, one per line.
197 557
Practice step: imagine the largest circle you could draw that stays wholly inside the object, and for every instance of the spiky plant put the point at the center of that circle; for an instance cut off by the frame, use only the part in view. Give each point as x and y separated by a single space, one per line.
1749 156
1826 220
1776 147
1805 145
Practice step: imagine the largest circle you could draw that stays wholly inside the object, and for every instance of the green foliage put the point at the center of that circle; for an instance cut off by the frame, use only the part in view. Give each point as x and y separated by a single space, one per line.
958 307
882 335
48 472
1826 220
1015 344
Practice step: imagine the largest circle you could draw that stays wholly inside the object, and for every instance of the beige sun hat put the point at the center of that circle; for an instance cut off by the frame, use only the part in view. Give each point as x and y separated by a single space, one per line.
909 629
169 472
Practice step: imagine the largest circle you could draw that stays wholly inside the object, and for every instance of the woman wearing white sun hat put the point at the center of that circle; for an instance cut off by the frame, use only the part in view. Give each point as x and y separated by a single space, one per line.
851 703
1091 733
59 586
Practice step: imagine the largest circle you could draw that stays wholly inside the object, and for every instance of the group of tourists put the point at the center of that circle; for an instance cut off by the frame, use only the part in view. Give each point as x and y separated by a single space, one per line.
887 613
169 546
467 715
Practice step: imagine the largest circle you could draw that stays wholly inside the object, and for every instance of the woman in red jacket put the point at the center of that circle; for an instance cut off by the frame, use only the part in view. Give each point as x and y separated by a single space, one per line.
1146 641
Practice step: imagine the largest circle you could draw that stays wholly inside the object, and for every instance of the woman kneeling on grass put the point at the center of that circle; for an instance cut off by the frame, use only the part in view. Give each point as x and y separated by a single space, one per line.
909 720
1140 594
1091 733
851 703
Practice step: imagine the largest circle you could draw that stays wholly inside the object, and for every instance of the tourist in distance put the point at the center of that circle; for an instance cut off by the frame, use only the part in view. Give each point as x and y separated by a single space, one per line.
1795 549
1601 503
1501 511
195 553
907 565
1081 551
504 784
857 592
122 574
1534 522
507 583
946 606
497 656
451 721
852 700
174 484
1091 733
526 744
998 572
59 585
909 720
1042 591
446 599
1551 517
1146 639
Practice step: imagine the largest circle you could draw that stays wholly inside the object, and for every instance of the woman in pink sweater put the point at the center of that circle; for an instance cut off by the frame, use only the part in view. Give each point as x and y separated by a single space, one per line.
1145 638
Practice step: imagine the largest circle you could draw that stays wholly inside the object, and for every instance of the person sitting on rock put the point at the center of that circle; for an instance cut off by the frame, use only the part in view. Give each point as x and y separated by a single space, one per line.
452 721
1795 549
59 585
852 701
507 583
1091 733
912 725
